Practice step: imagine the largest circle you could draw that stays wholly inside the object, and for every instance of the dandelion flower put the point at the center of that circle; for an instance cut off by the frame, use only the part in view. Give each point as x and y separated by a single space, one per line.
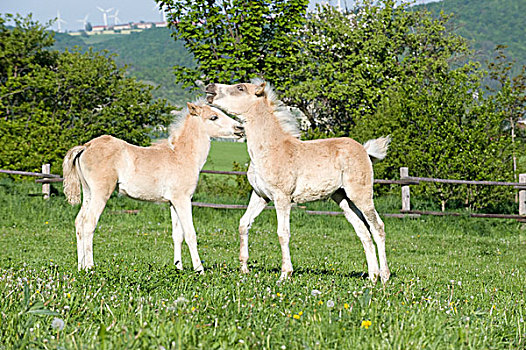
366 324
181 299
57 324
330 303
296 317
345 306
315 292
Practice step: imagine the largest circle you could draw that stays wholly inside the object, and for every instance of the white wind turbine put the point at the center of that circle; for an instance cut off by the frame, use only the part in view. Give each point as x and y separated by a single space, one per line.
105 14
84 21
161 11
60 21
116 20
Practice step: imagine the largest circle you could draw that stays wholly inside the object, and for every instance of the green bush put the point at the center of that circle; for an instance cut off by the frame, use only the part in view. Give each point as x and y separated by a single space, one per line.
52 101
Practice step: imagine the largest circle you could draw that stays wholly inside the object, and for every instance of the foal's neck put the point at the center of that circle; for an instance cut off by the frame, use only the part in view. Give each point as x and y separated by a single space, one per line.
193 142
263 128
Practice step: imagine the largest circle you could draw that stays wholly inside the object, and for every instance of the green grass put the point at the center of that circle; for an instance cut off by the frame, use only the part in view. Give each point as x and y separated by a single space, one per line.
223 154
456 283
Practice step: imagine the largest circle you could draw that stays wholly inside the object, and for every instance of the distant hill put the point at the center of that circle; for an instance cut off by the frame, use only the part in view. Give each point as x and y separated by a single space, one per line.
152 53
487 23
150 56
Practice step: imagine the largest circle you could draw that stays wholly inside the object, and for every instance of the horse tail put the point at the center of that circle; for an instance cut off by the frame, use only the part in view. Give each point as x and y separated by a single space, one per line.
377 148
71 175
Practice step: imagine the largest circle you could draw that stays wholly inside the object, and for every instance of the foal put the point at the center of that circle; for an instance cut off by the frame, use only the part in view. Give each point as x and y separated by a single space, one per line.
286 170
165 172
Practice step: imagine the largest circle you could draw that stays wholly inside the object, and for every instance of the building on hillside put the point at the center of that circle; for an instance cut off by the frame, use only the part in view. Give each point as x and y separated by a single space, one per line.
161 24
142 25
98 28
122 26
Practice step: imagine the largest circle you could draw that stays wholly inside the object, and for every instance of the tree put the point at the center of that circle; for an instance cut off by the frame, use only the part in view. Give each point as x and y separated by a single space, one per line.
236 40
349 60
442 129
51 101
508 97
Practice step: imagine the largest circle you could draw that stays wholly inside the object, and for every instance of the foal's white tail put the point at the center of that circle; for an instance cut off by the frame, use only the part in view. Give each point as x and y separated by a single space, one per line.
71 175
377 148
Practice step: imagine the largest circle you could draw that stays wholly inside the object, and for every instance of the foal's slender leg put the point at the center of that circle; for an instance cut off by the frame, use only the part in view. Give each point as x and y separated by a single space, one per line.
377 228
361 231
178 237
86 228
283 207
183 207
79 224
255 207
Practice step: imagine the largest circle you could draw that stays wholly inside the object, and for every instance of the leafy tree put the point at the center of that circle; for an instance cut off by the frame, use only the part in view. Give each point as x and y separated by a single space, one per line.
50 101
235 40
442 129
349 60
508 98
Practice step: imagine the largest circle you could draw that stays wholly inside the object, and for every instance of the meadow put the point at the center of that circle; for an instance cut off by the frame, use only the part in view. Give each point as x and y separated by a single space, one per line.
457 283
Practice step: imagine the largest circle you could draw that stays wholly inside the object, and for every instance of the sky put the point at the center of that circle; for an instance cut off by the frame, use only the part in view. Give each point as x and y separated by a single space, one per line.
72 12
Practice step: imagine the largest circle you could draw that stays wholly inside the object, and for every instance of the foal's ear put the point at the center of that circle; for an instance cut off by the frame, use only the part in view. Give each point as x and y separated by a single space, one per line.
193 109
260 89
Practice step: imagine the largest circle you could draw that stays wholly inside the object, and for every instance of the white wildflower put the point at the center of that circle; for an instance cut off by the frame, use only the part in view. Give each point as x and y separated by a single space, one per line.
57 324
181 299
330 303
315 293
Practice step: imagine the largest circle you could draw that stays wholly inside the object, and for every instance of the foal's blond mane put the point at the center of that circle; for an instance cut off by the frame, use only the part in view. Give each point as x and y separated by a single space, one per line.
282 112
176 127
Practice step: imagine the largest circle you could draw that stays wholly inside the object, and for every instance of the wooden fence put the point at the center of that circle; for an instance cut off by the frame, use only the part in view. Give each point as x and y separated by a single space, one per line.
46 178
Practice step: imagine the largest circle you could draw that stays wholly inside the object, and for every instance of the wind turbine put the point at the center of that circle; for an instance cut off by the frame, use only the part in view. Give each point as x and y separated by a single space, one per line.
161 11
105 14
116 20
84 21
59 22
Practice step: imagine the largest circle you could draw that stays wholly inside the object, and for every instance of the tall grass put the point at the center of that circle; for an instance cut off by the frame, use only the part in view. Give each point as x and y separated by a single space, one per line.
456 282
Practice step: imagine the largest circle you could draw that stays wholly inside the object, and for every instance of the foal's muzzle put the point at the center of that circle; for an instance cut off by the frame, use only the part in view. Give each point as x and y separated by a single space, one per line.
239 130
210 92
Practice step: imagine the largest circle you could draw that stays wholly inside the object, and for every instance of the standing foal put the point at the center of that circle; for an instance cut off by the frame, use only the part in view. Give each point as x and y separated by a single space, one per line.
286 170
165 172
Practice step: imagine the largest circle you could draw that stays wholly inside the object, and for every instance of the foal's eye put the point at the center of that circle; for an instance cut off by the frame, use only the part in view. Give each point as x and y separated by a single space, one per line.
240 87
214 117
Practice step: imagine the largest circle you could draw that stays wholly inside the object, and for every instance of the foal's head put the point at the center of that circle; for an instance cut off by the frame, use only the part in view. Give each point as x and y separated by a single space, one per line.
215 122
236 99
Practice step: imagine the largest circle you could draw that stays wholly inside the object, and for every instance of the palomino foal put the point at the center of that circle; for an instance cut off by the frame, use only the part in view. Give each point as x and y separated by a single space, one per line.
286 170
165 172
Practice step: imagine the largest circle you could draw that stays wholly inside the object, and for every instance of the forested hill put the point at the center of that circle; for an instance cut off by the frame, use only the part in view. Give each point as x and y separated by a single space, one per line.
487 23
150 56
152 53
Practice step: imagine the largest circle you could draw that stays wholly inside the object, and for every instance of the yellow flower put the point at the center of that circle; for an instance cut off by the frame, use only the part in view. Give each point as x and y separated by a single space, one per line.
300 313
68 295
193 308
296 317
366 324
196 296
320 302
47 222
278 294
346 306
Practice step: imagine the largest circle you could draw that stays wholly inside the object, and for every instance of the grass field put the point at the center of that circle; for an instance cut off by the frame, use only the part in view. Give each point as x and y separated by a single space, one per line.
457 283
222 154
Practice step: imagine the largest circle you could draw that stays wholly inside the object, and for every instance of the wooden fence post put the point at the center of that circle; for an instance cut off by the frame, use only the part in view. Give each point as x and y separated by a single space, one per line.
406 195
522 195
46 187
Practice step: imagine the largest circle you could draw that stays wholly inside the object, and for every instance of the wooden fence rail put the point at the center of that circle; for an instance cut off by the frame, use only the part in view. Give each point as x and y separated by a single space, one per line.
46 178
